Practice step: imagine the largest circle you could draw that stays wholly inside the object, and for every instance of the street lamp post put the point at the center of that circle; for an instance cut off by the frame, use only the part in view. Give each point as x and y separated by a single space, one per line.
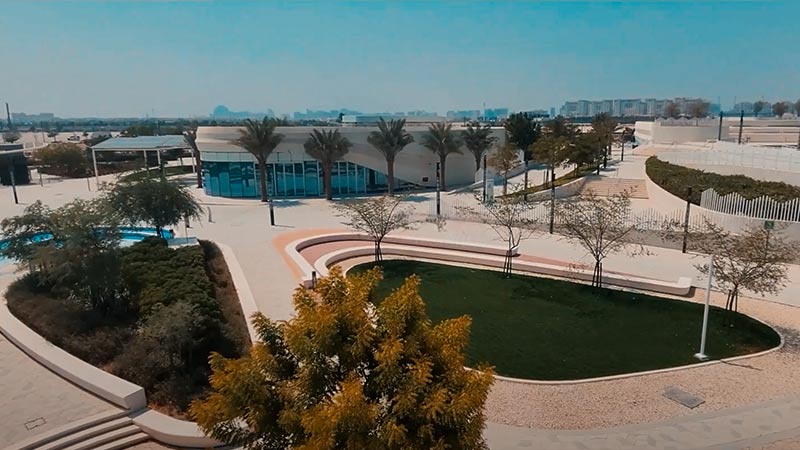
484 178
438 192
701 355
13 180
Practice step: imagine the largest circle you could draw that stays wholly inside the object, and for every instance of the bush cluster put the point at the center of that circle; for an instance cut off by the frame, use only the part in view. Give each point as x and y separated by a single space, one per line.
677 179
161 340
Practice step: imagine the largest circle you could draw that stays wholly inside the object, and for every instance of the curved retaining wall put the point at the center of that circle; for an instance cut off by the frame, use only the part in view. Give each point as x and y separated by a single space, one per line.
129 396
461 253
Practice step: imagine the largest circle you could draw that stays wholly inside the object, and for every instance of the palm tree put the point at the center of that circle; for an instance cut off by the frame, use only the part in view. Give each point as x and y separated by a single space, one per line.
522 131
327 147
478 139
390 139
191 139
441 140
604 125
260 139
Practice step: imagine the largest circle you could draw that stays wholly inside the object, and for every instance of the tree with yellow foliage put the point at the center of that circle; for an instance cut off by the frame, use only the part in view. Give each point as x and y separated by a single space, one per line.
348 374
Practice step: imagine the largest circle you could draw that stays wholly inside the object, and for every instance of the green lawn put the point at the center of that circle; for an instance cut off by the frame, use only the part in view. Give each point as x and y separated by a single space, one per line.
545 329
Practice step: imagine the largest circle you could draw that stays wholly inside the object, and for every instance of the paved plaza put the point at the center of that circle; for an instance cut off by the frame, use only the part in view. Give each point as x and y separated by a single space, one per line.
746 407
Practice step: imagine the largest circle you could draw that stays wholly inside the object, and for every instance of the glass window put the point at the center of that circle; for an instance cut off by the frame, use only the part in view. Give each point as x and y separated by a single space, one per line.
249 186
299 179
236 178
311 175
224 179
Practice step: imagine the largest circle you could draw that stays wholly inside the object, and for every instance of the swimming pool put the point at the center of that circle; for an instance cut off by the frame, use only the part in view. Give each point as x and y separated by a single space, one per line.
129 236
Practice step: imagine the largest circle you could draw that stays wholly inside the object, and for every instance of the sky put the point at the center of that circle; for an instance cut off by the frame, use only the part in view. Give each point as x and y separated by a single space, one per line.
169 59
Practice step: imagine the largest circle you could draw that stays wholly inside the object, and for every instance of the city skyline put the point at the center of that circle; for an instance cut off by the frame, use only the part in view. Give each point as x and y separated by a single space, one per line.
159 59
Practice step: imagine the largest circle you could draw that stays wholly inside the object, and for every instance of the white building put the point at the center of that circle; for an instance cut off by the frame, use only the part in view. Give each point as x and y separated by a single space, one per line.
230 171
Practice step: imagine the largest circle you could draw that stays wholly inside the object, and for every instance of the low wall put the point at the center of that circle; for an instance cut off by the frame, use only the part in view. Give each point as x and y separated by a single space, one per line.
565 190
172 431
752 172
163 428
463 253
294 248
97 381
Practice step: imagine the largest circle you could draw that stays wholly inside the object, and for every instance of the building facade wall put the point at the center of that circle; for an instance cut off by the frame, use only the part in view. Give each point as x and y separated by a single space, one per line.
232 172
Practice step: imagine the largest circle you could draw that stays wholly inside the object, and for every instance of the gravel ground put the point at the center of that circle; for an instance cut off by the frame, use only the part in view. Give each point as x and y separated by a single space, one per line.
639 399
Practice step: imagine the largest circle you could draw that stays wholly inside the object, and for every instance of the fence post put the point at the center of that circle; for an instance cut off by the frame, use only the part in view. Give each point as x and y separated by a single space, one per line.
686 219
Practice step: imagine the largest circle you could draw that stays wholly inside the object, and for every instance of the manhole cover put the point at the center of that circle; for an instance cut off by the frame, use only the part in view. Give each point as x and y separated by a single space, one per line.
31 424
684 398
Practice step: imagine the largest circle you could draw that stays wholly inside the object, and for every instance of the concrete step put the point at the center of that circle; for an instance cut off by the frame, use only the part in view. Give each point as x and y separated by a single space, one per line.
42 440
125 442
109 437
79 436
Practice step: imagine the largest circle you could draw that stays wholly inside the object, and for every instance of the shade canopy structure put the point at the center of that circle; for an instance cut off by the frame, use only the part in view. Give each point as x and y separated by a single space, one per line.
142 144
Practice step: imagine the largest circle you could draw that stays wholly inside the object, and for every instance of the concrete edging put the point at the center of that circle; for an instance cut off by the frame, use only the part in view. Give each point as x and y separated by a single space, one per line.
86 376
113 389
338 256
479 255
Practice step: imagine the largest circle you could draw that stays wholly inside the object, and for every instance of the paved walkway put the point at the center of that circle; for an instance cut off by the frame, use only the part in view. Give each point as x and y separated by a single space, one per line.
736 428
34 400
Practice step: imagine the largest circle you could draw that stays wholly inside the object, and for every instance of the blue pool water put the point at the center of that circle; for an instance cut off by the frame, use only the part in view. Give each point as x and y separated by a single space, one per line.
130 235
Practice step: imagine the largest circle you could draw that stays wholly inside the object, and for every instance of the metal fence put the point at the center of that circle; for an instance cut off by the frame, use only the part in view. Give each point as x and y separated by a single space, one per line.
760 208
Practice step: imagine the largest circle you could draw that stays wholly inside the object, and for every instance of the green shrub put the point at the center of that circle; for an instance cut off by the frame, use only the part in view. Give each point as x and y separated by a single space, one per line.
163 341
677 179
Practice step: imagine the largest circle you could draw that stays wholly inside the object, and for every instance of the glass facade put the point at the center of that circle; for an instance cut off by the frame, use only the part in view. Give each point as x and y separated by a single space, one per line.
289 179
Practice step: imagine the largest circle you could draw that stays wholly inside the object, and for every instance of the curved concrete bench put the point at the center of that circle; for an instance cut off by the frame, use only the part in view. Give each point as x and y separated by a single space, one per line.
294 248
172 431
461 253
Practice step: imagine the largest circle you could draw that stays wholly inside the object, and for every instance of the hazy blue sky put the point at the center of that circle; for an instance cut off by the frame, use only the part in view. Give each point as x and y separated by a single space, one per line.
118 58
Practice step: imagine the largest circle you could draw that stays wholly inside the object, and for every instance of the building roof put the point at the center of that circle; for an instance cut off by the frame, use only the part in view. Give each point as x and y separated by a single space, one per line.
143 143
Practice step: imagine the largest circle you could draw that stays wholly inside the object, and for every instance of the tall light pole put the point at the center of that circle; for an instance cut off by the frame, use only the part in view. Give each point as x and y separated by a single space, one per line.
438 192
484 178
741 126
701 355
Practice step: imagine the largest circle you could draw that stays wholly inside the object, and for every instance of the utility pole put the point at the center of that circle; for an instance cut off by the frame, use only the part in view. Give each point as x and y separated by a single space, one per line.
719 132
741 126
8 117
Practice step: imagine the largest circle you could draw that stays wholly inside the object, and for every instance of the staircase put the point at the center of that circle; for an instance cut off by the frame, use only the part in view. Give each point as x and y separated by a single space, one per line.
607 186
112 430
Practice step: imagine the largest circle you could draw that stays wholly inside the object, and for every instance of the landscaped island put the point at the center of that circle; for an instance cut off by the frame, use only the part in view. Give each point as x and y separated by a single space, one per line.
180 306
547 329
676 179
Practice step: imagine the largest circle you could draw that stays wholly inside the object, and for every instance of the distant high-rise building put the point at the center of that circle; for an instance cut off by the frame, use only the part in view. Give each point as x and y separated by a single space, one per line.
466 114
222 112
623 107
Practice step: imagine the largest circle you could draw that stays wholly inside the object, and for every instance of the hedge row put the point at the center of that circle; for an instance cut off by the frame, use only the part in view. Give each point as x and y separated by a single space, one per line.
677 179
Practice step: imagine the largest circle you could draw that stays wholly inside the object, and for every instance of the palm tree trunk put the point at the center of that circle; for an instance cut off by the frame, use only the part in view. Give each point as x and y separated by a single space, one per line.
262 172
442 184
477 162
390 175
326 178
